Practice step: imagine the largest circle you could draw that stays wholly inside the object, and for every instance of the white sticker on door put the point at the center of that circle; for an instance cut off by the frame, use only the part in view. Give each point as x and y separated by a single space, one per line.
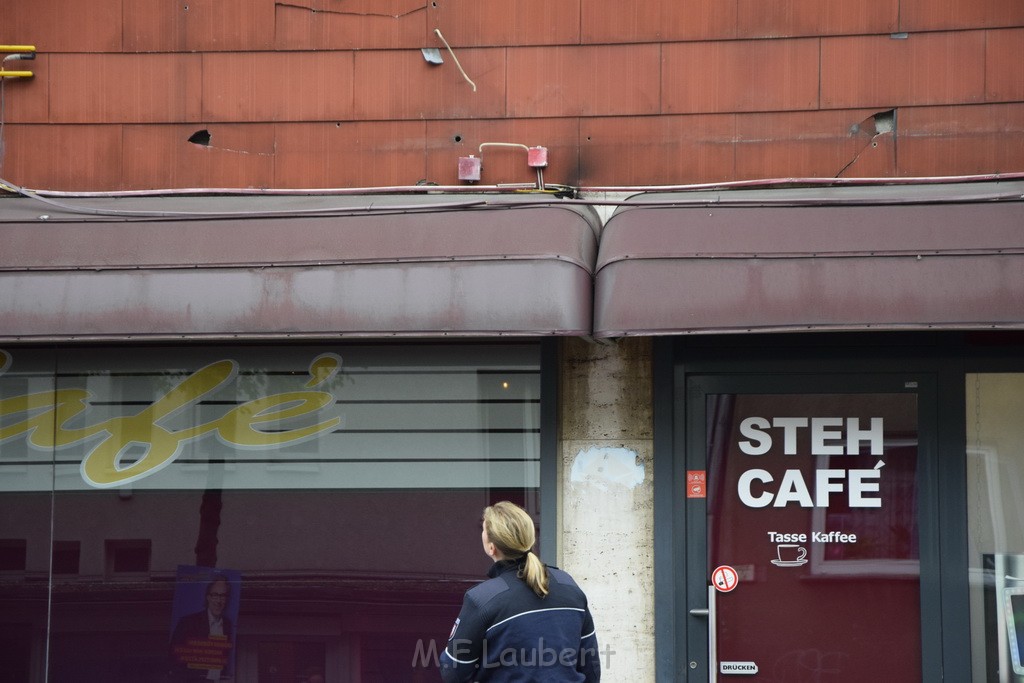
737 668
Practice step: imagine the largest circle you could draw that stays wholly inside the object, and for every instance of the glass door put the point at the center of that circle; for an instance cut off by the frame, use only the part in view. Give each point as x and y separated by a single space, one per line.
802 547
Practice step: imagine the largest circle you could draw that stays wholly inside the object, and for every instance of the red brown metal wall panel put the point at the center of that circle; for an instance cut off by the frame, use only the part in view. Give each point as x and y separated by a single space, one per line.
400 84
622 72
961 140
821 144
125 88
448 140
875 160
75 157
647 150
365 154
614 21
277 86
783 18
918 69
944 15
236 155
471 23
55 26
554 81
693 149
27 100
740 76
363 24
1003 48
198 25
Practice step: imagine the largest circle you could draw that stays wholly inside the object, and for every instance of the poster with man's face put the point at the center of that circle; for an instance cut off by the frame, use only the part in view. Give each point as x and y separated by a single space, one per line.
203 623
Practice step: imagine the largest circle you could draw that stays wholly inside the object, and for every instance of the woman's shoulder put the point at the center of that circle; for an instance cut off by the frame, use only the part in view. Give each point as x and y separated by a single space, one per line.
562 583
482 593
561 576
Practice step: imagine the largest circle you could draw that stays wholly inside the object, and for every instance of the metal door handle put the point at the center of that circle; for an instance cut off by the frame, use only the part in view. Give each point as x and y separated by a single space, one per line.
712 635
709 614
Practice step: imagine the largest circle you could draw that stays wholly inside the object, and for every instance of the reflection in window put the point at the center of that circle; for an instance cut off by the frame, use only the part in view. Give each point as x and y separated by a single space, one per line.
13 552
128 557
342 485
66 557
890 538
292 661
995 497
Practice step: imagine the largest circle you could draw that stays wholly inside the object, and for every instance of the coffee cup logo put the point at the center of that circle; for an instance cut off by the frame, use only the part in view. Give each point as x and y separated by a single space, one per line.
790 555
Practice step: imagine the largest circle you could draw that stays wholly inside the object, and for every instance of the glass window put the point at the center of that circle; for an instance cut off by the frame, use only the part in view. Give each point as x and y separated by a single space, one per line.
26 476
995 495
812 516
263 514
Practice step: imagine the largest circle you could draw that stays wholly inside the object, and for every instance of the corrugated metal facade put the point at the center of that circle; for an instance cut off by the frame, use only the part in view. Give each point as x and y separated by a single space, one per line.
319 93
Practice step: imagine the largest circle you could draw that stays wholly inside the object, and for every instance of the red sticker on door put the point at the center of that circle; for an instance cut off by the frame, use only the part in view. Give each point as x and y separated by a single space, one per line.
696 484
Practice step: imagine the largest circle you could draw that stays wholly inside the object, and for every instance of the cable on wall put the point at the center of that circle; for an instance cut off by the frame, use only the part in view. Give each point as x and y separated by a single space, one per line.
452 53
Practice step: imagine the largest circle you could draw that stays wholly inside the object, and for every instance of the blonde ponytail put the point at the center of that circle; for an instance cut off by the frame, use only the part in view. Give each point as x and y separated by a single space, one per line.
510 528
535 574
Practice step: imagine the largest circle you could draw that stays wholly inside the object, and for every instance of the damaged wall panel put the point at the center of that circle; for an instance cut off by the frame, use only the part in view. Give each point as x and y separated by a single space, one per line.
360 24
823 144
471 23
310 93
236 155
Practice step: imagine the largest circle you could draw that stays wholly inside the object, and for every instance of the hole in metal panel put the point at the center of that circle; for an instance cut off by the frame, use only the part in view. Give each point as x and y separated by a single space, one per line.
201 137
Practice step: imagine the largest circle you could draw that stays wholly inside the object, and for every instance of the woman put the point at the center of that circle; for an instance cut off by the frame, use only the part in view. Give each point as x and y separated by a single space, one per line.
527 622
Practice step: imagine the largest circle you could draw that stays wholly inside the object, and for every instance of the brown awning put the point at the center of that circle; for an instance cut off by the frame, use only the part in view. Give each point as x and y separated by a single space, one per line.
930 257
240 268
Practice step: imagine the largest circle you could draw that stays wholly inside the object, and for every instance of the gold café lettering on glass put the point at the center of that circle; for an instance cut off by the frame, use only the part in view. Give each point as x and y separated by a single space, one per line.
127 448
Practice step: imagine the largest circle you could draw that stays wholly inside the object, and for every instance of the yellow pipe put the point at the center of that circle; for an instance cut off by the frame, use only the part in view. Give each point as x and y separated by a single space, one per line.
15 74
17 48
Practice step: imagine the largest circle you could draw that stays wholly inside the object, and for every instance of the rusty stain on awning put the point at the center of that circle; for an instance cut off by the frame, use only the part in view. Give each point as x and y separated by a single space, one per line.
755 266
483 272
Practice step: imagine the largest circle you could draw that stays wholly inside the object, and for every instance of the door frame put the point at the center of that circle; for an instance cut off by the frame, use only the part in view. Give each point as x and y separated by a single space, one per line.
792 359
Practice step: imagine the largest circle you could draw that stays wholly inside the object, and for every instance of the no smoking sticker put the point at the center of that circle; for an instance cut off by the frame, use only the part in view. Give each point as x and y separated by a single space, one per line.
724 578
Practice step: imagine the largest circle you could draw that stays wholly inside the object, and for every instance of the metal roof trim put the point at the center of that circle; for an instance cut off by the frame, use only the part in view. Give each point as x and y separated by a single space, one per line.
445 273
780 268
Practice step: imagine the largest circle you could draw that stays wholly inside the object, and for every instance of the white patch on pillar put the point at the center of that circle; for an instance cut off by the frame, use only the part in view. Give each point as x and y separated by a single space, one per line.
604 468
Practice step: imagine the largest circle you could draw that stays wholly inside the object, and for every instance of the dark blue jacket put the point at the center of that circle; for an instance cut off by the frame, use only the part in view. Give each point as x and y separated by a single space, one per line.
505 632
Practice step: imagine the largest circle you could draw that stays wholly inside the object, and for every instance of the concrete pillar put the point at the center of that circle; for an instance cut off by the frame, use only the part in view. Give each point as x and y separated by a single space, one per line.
607 496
